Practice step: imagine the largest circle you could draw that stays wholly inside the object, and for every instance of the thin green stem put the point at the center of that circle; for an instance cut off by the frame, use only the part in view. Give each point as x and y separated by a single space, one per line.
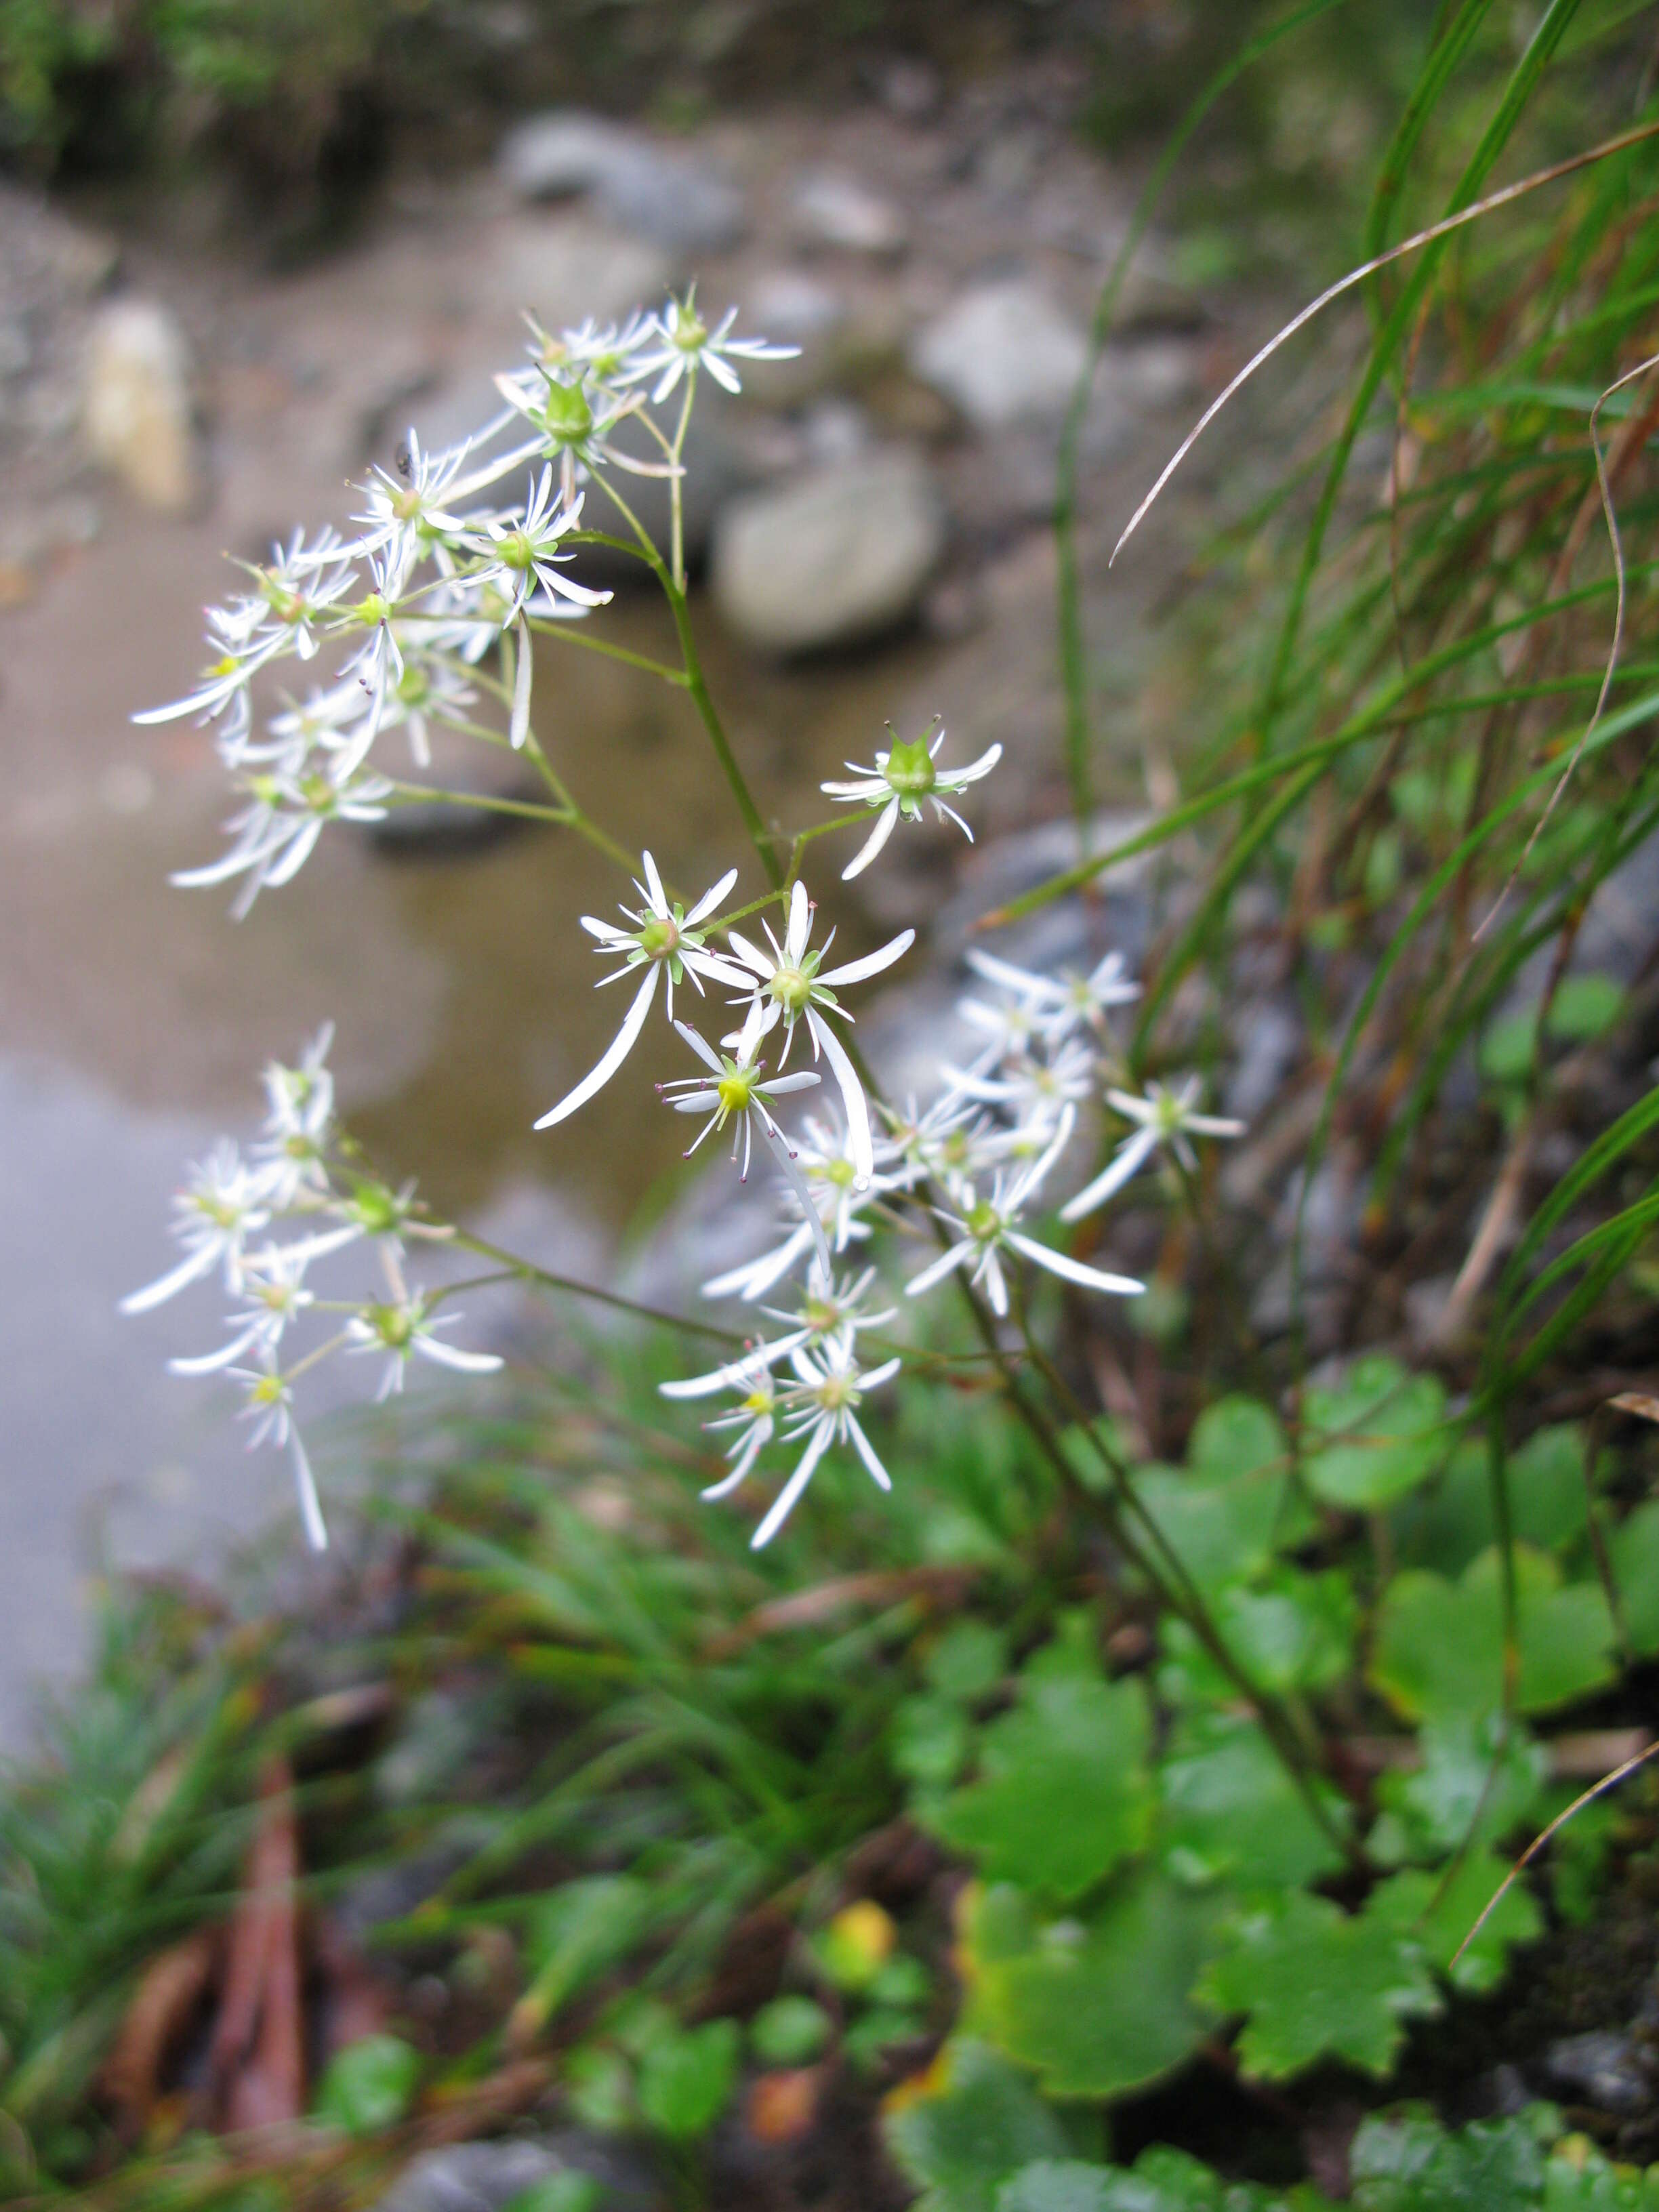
571 633
527 1271
418 794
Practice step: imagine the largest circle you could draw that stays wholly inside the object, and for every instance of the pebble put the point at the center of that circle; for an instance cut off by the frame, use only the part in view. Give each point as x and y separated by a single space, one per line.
674 199
834 209
484 2177
1002 353
843 554
1606 2067
136 409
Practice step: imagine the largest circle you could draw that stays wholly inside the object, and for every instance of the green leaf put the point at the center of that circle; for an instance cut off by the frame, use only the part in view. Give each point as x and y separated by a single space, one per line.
1439 1645
559 2192
1296 1634
1236 1436
1063 1793
1439 1910
1479 1778
1231 1809
1634 1551
1449 1525
576 1934
1059 2185
368 2086
1316 1983
1062 2008
686 2081
967 1662
1407 2162
1376 1435
598 2086
902 1981
1223 1516
927 1740
962 2141
877 2032
791 2031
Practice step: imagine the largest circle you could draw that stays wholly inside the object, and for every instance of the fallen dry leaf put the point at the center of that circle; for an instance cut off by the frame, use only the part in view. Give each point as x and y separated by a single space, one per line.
172 1987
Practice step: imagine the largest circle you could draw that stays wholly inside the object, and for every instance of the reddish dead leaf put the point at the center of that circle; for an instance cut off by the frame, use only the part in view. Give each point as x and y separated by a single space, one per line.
783 2106
256 2059
356 2004
172 1985
1638 1403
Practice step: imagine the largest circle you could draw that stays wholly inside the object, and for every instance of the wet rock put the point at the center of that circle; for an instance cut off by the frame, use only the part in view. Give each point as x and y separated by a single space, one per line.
1002 353
483 2176
842 555
563 269
672 199
136 409
834 209
1606 2067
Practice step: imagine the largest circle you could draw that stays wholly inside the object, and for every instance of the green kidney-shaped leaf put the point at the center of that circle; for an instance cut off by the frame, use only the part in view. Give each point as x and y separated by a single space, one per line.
1439 1647
1439 1909
1063 1793
1377 1435
368 2086
1635 1553
1314 1982
1404 2161
976 2127
1295 1634
686 2079
1054 2184
1231 1809
1479 1778
1105 2008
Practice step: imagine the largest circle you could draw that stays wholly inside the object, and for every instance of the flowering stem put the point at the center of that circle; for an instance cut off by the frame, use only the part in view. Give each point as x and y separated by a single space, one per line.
760 837
676 507
527 1271
571 633
428 794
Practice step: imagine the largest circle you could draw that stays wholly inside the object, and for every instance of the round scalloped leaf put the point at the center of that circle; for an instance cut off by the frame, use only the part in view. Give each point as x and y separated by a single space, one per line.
1063 1793
1104 2008
1439 1645
1635 1555
1376 1436
1440 1909
1314 1982
1479 1778
968 2126
1231 1809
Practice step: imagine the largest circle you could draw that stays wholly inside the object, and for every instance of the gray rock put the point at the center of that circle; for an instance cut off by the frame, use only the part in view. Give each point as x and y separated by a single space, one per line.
482 2177
834 209
673 199
842 555
1606 2067
136 403
1002 353
564 268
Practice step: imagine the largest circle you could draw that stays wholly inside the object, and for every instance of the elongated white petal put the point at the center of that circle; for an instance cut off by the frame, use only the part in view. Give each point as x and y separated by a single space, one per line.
750 955
524 670
621 1046
452 1355
776 1085
712 898
753 1444
952 779
311 1507
747 1368
209 1363
756 1277
1214 1125
1062 1263
659 895
704 1051
1125 1162
797 1182
784 1503
873 843
1020 980
867 1452
872 963
169 1286
300 848
800 923
937 1270
860 1146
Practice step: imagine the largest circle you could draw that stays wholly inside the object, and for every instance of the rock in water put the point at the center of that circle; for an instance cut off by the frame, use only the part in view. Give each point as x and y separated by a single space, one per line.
836 210
1002 353
841 555
137 403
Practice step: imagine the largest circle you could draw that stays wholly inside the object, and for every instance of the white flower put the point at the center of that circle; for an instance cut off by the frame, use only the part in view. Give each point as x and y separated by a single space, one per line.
824 1156
664 938
1033 1093
520 551
1057 1003
1165 1117
406 514
792 984
270 1407
739 1092
990 1234
822 1407
295 1139
831 1314
221 1206
573 416
755 1419
687 344
428 690
276 834
898 784
402 1327
274 1290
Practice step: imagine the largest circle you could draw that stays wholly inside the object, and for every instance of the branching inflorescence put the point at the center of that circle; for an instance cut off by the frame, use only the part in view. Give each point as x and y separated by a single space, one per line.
427 617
